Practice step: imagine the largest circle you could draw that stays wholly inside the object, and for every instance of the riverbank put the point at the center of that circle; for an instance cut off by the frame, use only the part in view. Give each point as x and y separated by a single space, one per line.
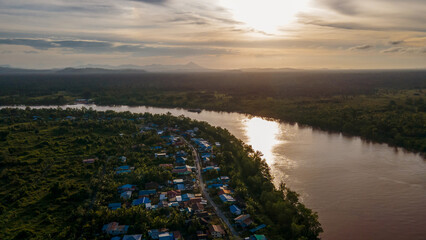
130 152
303 157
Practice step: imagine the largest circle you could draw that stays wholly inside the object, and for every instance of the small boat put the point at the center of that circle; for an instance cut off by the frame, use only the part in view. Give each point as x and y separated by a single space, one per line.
197 110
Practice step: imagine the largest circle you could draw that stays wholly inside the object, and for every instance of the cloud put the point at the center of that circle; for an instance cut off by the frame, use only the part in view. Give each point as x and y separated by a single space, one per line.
100 47
152 1
394 50
357 25
361 47
180 51
396 42
42 44
413 50
345 7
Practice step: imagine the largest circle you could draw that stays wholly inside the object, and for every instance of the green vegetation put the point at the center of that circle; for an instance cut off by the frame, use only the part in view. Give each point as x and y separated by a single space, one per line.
48 193
383 106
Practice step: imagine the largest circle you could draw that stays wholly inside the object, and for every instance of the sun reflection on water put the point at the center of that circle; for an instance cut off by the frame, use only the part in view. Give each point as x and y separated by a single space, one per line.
262 136
267 136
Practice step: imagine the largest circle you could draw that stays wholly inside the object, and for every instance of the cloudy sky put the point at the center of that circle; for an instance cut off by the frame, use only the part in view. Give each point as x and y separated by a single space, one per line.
214 33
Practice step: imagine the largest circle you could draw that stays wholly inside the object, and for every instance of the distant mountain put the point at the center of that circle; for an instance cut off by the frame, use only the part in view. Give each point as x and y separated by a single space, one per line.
9 70
268 69
96 71
6 70
189 67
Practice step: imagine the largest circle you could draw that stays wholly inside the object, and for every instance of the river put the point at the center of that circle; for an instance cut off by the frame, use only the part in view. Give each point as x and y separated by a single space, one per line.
360 190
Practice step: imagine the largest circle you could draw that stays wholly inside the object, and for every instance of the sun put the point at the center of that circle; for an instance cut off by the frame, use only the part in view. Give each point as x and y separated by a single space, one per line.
265 15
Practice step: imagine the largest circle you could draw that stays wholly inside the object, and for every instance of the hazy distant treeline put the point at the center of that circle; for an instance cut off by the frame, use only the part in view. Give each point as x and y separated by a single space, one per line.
288 84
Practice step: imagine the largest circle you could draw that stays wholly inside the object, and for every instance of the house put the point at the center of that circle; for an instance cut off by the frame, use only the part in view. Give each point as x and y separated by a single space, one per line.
140 201
243 220
153 233
257 228
197 207
182 171
166 165
235 210
226 198
187 196
114 228
147 192
123 168
173 193
127 187
82 101
223 190
126 195
123 159
181 160
165 236
180 187
148 206
224 179
114 206
207 155
216 231
196 200
202 144
123 171
132 237
163 196
90 160
70 118
116 238
160 155
211 168
258 237
178 181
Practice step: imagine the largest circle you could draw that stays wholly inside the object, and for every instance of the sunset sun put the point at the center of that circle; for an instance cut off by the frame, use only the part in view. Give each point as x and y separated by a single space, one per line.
265 15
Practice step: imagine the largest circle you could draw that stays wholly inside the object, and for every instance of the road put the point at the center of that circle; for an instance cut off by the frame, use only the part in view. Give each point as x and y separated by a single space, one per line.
219 212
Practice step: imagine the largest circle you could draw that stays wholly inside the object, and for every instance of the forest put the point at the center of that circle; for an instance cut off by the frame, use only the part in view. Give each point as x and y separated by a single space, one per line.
47 192
382 106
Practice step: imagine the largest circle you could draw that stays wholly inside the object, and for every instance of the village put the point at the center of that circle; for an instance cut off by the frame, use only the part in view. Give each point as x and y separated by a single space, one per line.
192 184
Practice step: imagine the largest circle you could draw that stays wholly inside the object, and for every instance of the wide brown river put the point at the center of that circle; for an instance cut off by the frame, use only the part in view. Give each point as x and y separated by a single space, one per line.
360 190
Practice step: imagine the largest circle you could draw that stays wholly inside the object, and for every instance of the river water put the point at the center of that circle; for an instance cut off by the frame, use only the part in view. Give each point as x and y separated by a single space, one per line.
360 190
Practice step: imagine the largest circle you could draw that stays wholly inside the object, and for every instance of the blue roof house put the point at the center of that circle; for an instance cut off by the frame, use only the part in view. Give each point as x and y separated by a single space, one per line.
140 201
126 195
226 198
132 237
235 210
147 192
166 236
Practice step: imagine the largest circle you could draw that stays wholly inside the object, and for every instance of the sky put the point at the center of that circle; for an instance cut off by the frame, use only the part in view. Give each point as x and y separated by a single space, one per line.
220 34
